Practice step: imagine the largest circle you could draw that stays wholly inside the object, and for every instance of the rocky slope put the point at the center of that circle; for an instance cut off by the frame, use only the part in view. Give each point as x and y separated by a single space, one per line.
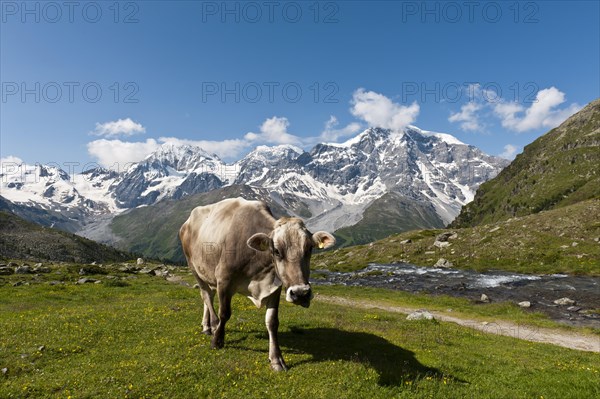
20 239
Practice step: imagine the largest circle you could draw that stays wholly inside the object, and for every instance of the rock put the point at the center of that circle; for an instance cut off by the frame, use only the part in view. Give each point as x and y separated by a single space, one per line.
41 348
38 265
407 241
494 229
574 308
98 282
525 304
420 315
5 371
140 261
42 269
484 298
161 273
574 244
129 269
565 302
6 271
446 236
86 280
148 271
443 263
19 283
25 269
441 244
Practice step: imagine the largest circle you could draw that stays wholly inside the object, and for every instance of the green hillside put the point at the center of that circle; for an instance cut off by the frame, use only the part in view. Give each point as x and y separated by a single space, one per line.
558 169
390 214
562 240
20 239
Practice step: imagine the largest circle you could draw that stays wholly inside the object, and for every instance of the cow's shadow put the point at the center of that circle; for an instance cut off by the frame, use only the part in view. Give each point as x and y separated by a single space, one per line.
394 364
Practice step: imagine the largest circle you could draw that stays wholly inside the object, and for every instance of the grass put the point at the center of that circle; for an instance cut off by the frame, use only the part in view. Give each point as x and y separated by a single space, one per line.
144 340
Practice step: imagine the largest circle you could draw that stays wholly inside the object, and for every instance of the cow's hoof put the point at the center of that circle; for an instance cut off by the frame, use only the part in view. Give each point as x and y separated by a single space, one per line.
217 343
207 332
279 365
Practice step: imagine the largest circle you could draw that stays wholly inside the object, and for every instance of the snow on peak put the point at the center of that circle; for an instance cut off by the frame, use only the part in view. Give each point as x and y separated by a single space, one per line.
174 152
374 133
445 137
275 153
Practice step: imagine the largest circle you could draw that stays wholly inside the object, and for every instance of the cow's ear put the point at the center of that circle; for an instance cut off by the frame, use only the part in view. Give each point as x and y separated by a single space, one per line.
259 242
323 240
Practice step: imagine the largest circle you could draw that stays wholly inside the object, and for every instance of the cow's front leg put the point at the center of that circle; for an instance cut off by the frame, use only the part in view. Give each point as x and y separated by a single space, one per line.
272 322
218 340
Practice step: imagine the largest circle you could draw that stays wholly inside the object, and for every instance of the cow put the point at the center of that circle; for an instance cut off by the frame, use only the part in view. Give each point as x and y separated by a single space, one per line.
237 246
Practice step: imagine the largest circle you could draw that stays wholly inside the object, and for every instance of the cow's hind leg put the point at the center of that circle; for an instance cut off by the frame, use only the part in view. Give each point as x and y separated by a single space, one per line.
218 340
209 317
272 322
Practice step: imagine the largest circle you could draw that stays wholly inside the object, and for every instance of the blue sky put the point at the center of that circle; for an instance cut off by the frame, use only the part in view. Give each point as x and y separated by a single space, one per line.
99 82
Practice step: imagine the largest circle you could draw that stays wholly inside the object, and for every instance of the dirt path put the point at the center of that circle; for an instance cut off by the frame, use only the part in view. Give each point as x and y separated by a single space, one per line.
571 340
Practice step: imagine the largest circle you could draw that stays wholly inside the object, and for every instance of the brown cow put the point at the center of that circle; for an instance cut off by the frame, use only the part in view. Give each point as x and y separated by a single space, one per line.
237 246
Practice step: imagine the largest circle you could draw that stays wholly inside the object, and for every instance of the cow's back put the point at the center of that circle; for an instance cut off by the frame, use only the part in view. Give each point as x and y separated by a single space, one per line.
214 237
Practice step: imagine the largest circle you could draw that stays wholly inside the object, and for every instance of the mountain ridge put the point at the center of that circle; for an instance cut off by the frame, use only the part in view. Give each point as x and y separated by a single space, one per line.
331 186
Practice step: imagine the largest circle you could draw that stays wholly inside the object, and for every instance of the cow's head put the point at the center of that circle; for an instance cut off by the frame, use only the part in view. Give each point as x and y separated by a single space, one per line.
291 245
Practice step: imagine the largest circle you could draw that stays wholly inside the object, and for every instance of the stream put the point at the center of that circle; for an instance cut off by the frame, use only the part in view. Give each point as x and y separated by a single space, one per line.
540 290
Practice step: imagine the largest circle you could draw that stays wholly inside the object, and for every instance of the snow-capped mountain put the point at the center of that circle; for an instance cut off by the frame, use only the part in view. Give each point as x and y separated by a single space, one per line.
173 171
331 186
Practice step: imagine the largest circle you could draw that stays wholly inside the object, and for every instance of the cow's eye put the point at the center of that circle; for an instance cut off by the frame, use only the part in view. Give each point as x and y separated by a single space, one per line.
276 253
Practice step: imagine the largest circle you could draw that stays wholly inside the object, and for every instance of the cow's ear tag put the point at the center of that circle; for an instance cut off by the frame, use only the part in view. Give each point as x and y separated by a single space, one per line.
321 245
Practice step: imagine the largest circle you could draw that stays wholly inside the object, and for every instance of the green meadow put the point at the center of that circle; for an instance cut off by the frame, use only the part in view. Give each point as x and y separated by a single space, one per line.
138 336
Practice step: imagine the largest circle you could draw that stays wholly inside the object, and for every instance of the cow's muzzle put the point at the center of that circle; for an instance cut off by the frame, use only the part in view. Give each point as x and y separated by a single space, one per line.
299 295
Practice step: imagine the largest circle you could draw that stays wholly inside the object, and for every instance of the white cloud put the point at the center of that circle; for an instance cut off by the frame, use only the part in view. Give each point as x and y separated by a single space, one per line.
379 111
273 131
331 134
468 118
117 154
542 113
509 152
12 160
115 151
10 167
125 127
